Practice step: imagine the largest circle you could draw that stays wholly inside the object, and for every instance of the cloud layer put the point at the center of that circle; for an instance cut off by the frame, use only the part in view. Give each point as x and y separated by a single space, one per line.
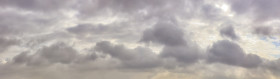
139 39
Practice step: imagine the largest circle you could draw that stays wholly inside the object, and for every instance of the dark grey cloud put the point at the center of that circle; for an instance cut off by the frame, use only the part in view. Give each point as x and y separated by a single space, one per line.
165 33
263 10
229 32
139 58
232 54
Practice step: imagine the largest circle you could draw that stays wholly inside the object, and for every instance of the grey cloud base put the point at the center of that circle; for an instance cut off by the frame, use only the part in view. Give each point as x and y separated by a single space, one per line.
232 54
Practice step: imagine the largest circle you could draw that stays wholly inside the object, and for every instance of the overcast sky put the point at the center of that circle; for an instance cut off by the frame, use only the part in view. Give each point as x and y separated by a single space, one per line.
139 39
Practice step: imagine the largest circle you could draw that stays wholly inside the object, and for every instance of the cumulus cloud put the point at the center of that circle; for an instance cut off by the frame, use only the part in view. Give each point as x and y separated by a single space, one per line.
232 54
229 32
273 66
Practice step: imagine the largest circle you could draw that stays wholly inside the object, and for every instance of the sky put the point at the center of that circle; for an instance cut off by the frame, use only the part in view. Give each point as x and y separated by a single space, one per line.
139 39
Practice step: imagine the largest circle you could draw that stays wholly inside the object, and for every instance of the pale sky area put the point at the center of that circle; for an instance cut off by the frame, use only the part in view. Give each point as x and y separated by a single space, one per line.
139 39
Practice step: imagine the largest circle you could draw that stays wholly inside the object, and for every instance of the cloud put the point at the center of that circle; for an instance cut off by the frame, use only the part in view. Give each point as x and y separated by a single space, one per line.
185 54
138 58
273 66
88 30
84 29
262 10
131 7
57 53
229 32
164 33
266 30
232 54
6 43
175 46
103 39
44 5
14 23
263 30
